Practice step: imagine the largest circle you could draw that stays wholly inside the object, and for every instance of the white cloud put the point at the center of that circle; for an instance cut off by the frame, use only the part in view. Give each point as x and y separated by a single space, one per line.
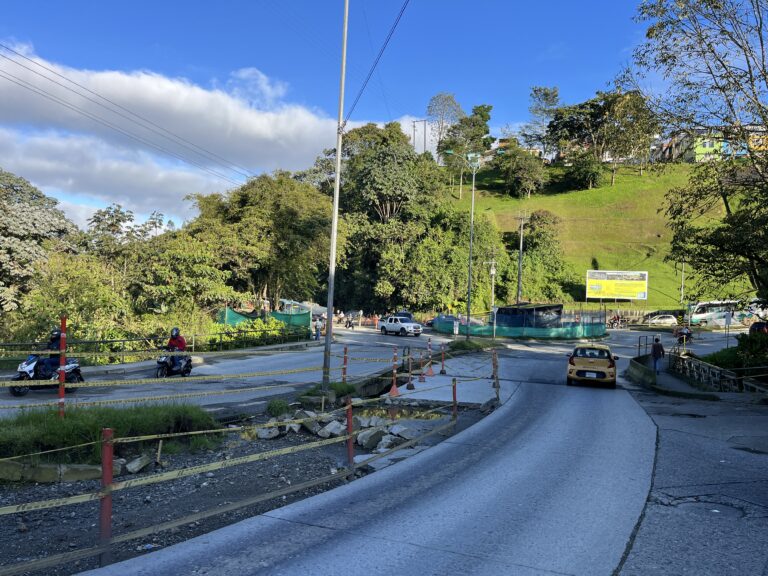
58 148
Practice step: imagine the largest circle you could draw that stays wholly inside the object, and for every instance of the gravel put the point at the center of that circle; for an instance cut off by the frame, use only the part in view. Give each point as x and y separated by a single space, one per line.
31 535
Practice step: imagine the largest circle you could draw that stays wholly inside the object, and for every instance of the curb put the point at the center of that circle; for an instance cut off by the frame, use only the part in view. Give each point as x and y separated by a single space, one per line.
682 394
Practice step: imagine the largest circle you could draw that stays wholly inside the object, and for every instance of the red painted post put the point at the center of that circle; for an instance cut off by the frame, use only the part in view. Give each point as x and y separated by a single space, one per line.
351 439
442 359
62 363
105 504
344 367
421 366
455 404
394 366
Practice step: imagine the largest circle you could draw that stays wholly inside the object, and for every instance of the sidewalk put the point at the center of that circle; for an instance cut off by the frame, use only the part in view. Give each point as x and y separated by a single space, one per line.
670 384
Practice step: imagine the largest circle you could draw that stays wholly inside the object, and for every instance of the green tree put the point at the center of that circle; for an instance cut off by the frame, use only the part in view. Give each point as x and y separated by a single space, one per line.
29 223
470 134
546 275
523 172
544 103
632 126
585 171
711 56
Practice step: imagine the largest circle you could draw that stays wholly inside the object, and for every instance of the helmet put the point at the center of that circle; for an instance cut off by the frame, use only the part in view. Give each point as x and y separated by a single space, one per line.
175 333
55 334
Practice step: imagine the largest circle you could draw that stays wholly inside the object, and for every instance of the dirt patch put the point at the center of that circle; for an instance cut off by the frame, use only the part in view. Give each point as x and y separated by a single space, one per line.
33 535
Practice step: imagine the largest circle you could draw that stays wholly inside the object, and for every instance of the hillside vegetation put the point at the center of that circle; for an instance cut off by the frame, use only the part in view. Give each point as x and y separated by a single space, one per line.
618 227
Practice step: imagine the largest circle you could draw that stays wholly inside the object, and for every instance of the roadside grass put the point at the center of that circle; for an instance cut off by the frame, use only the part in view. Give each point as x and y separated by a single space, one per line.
34 431
473 345
620 227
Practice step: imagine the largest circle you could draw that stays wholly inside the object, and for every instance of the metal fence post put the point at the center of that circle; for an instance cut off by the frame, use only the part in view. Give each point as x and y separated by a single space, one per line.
105 503
62 363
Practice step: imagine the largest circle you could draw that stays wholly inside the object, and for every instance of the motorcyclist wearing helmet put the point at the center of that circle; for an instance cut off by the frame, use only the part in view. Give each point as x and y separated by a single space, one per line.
54 343
177 342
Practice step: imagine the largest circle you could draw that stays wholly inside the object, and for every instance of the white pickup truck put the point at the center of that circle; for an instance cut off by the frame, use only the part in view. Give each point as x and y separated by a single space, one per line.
401 326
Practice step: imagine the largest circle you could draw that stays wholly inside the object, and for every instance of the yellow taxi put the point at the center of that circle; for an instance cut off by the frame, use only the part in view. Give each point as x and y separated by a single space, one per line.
593 363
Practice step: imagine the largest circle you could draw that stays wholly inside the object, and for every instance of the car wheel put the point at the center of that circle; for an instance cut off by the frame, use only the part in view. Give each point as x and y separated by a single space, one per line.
612 384
383 331
418 334
402 332
568 382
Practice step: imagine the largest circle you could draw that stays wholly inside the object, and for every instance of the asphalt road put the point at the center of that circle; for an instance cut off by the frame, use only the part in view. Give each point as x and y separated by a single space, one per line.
553 482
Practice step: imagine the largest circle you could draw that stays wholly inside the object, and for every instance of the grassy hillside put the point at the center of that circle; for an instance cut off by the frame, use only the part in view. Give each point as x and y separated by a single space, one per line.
611 227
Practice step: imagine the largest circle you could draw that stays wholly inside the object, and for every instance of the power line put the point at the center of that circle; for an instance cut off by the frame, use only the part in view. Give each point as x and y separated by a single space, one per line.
376 61
145 122
39 91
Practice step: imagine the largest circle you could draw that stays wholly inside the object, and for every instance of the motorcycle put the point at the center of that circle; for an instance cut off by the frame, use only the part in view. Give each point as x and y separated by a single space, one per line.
350 323
167 367
684 338
36 368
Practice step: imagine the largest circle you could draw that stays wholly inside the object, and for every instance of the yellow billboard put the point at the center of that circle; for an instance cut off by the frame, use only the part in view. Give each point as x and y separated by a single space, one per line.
617 284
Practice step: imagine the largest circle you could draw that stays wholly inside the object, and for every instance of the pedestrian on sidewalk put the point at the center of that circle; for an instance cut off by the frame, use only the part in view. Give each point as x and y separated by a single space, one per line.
657 351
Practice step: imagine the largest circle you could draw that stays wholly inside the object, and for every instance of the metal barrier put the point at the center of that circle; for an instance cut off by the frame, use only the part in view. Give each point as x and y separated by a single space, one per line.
713 378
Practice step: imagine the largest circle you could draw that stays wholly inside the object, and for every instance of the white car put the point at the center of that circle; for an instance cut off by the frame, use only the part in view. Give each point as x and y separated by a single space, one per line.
663 320
401 326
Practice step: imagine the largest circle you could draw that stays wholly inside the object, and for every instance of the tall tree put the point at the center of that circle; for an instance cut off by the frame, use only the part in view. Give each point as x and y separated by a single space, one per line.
631 128
470 134
29 220
544 103
443 111
712 57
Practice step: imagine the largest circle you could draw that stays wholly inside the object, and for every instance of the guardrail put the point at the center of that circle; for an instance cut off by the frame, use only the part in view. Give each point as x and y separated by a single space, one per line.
713 378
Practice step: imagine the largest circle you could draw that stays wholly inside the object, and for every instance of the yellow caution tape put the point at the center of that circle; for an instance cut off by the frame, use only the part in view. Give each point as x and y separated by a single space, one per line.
183 473
140 381
55 503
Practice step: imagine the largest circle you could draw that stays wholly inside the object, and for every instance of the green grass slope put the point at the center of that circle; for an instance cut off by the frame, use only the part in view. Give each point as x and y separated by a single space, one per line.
618 227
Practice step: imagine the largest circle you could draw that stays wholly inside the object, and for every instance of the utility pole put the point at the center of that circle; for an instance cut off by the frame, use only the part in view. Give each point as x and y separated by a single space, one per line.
682 284
335 217
522 219
492 262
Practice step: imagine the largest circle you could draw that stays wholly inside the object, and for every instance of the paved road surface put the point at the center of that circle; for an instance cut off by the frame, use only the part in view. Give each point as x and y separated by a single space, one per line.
551 483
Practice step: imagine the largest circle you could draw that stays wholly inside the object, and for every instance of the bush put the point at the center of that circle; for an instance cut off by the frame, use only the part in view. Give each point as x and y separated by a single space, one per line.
39 430
343 389
585 173
277 407
471 345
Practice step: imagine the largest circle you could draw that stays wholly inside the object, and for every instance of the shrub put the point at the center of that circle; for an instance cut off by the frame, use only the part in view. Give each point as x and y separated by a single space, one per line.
40 430
586 171
343 389
277 407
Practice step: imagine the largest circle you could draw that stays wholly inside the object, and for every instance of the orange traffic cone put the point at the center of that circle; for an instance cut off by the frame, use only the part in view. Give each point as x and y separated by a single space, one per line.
393 392
430 372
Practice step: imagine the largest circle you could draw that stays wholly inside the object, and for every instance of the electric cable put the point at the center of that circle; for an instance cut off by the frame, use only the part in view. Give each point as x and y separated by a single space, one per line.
145 122
375 62
24 84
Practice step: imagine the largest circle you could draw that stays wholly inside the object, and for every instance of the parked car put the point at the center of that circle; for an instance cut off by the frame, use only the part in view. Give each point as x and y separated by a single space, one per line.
758 327
662 320
400 325
593 363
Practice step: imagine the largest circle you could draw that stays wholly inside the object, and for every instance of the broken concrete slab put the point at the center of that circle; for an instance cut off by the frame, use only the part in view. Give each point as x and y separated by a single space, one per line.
137 465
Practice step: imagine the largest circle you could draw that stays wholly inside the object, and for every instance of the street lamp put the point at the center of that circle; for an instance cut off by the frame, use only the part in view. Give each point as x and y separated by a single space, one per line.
472 160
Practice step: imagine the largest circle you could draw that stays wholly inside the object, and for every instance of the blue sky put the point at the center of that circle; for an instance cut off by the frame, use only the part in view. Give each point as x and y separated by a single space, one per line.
256 82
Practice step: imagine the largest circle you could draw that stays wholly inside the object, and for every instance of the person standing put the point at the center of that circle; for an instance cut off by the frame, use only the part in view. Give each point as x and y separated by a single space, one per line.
318 328
657 352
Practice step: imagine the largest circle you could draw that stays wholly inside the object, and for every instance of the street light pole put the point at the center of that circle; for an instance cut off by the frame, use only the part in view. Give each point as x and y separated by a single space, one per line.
473 160
335 217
